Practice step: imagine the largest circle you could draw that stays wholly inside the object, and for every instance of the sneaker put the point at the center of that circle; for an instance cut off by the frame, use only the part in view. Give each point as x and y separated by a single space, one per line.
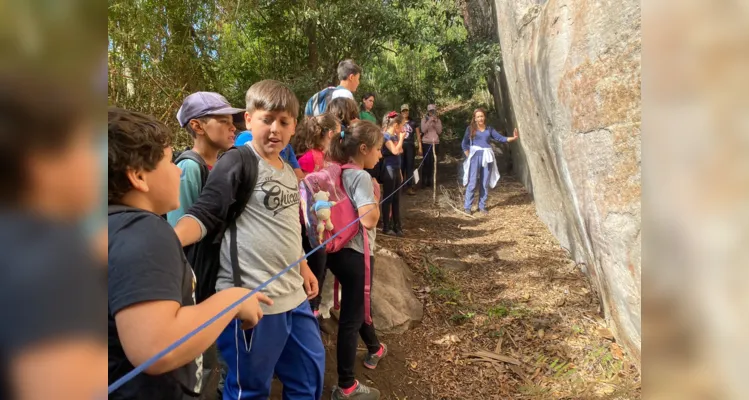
389 232
399 233
371 360
467 211
360 392
484 212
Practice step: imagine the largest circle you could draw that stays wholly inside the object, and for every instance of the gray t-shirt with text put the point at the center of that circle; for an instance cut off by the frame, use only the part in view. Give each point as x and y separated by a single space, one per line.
269 239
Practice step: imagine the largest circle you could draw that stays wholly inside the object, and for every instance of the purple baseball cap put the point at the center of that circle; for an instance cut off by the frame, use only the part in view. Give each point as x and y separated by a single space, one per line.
200 104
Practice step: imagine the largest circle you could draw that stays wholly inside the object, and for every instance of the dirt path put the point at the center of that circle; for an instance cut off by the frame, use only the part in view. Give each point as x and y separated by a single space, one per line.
521 298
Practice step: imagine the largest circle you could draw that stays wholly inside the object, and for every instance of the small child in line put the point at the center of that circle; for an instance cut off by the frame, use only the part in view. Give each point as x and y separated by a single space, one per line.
360 144
312 141
391 175
208 118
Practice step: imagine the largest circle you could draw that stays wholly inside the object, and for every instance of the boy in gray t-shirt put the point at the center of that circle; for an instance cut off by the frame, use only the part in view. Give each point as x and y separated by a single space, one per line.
287 341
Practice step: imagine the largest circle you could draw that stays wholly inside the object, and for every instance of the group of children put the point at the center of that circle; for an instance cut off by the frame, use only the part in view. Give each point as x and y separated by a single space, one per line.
192 234
246 204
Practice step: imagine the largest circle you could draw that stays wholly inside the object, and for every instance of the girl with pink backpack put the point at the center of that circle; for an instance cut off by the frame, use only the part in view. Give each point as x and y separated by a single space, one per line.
348 192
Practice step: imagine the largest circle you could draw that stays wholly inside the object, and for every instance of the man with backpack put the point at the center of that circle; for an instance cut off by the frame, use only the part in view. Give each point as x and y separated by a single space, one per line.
207 117
349 75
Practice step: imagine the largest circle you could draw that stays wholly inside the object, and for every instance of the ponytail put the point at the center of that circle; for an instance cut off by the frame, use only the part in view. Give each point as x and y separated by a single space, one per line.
391 119
346 146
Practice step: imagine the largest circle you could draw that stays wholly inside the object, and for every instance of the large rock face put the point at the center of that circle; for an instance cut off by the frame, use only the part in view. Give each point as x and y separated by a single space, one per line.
572 70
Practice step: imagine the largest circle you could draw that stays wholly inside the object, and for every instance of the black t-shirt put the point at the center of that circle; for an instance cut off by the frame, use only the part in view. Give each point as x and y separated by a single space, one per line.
146 263
51 287
410 127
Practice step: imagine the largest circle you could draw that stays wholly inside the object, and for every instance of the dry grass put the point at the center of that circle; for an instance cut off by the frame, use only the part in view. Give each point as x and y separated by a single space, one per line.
522 299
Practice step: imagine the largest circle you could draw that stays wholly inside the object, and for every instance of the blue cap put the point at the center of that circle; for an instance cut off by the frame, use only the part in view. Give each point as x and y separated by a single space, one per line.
200 104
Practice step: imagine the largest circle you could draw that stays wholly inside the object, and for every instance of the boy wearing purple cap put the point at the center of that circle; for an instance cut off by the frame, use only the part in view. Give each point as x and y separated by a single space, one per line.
208 118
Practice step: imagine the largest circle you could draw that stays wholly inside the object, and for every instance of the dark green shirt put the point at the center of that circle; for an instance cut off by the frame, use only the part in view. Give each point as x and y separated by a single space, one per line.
368 116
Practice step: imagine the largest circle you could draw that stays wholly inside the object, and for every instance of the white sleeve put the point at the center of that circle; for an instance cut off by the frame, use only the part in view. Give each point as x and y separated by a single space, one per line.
342 92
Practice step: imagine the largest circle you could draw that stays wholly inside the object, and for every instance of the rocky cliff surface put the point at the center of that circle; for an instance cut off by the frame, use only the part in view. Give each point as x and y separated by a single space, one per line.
570 82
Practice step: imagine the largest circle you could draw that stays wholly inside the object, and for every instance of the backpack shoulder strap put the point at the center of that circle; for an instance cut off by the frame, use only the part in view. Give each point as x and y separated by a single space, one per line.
194 156
247 182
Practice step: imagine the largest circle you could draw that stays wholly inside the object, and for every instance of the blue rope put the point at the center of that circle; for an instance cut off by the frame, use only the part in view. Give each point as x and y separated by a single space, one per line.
137 370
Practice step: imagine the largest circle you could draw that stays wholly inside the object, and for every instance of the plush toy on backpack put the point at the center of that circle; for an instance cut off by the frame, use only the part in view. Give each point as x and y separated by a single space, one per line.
322 207
326 204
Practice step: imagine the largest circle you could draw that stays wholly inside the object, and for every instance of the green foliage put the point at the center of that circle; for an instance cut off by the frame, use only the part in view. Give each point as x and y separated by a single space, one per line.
449 294
412 51
461 317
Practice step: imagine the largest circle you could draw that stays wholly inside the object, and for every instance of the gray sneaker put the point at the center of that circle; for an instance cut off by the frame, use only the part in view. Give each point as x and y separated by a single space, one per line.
362 392
371 360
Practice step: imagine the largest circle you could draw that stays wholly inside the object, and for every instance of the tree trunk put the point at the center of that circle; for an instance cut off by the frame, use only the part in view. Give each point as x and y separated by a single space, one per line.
310 30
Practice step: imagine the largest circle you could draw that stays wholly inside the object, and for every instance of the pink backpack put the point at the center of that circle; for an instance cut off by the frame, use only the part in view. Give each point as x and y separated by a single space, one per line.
321 225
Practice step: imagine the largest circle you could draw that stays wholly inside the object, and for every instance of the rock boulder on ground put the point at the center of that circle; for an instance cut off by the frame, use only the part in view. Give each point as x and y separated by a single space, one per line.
449 260
395 308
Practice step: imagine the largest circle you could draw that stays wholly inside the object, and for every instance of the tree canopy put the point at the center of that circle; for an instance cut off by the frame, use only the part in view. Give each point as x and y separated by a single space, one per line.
412 51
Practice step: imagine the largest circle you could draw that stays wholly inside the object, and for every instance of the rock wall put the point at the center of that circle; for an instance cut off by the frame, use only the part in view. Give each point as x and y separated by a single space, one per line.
571 71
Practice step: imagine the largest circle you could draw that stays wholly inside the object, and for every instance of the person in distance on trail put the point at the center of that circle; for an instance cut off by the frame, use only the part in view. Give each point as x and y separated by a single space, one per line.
480 162
267 238
208 118
411 146
360 144
431 129
349 74
367 105
392 177
151 285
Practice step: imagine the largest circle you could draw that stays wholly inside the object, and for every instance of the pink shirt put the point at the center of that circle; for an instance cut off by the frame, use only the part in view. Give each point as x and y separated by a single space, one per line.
312 161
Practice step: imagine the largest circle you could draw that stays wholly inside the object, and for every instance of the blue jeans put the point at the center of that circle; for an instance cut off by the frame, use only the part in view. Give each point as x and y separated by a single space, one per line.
287 344
476 173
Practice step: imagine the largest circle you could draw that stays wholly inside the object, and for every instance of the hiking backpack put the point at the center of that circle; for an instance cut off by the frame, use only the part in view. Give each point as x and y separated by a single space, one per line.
204 256
188 154
342 214
318 103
